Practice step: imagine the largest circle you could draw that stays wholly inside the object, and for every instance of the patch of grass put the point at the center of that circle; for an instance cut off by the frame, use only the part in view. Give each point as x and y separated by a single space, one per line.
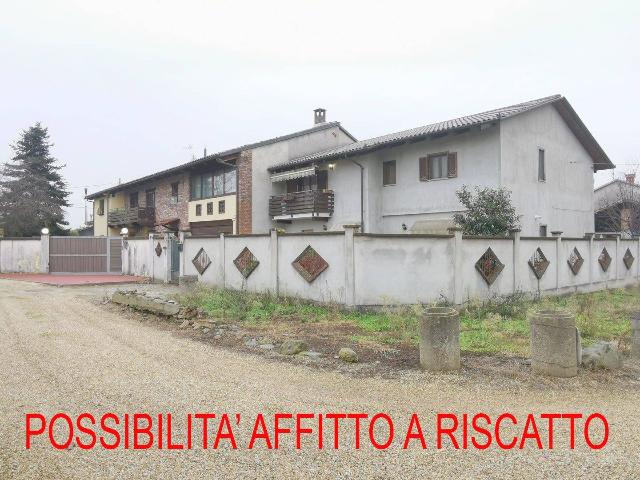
496 325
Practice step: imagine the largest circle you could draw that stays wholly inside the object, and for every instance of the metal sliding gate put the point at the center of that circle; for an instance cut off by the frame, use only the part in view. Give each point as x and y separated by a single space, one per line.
85 255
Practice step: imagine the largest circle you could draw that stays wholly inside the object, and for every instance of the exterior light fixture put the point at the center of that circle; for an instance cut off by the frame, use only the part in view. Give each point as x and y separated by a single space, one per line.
44 231
332 166
124 232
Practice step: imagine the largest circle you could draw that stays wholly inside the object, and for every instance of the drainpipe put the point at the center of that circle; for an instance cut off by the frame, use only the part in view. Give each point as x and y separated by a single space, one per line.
361 195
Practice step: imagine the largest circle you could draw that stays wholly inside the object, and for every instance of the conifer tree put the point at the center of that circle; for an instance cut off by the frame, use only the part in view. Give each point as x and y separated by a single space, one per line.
32 190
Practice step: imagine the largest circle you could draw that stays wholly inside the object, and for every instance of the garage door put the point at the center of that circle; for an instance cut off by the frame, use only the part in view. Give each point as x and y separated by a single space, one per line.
85 255
212 228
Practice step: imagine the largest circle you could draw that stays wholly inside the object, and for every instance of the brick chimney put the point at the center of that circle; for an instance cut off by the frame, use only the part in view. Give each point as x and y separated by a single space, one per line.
319 116
631 178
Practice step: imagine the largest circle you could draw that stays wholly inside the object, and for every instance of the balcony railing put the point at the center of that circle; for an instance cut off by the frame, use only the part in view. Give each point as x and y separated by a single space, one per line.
307 204
144 216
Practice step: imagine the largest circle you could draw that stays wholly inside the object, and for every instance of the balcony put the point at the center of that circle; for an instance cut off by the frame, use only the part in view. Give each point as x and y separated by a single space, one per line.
307 204
131 216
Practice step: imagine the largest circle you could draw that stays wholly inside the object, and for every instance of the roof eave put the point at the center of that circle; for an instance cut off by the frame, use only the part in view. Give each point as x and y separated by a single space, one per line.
600 159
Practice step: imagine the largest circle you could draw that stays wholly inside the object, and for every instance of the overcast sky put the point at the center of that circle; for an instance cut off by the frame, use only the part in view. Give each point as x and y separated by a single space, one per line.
129 88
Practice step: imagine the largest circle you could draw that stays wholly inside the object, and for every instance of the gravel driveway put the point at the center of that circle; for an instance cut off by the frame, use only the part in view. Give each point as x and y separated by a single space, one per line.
62 352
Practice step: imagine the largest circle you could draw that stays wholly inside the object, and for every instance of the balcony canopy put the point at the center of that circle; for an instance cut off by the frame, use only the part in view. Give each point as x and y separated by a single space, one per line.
293 174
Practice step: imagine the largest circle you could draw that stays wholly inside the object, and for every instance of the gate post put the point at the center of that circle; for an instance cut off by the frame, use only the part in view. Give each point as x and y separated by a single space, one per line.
167 260
44 252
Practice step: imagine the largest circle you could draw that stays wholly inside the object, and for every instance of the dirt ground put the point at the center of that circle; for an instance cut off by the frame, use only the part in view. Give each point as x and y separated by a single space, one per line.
63 350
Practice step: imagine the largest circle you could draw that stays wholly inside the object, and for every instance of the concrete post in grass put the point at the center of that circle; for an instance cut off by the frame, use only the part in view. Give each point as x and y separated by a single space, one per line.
554 343
635 336
440 339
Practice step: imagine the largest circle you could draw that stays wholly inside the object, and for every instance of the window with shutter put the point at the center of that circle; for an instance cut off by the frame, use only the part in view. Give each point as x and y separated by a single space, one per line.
541 170
438 166
452 165
424 176
389 173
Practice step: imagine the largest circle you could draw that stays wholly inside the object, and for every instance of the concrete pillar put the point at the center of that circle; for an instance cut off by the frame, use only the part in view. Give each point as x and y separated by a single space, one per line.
124 254
457 265
44 253
152 257
554 344
590 236
559 262
221 255
349 266
181 238
617 258
515 235
167 258
273 246
440 339
635 336
637 261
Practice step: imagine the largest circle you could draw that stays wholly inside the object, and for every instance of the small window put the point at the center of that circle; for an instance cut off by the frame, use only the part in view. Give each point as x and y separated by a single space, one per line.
150 198
439 165
543 230
101 206
174 192
230 181
210 208
199 210
221 206
389 172
133 200
541 170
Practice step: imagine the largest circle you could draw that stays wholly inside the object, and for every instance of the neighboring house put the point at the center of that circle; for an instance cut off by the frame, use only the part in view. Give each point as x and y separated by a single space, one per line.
617 206
406 182
225 192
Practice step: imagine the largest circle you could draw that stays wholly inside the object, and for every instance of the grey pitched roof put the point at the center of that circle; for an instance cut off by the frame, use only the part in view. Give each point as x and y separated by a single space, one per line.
225 153
601 161
616 181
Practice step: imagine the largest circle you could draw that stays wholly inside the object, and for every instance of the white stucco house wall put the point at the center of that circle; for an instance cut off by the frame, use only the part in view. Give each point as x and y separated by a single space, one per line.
540 150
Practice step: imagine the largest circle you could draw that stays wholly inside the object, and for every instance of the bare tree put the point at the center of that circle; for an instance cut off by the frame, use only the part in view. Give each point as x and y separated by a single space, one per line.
617 207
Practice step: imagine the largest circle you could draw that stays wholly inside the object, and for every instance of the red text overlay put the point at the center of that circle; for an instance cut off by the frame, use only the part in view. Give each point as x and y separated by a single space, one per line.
380 431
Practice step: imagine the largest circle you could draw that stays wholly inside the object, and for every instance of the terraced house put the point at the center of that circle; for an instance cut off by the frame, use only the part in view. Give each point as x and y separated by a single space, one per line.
406 182
225 192
321 179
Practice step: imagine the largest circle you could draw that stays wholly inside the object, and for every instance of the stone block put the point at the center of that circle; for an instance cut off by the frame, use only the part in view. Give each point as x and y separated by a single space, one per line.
440 339
142 302
554 344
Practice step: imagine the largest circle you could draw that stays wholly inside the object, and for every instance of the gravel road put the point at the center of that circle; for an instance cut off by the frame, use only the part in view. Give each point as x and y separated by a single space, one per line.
62 352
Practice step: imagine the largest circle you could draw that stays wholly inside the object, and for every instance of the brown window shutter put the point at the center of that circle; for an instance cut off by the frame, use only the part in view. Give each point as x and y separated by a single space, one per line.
452 165
423 169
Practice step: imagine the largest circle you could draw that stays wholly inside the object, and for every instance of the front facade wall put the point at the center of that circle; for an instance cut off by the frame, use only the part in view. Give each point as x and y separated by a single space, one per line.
498 155
422 206
276 153
228 214
165 208
564 200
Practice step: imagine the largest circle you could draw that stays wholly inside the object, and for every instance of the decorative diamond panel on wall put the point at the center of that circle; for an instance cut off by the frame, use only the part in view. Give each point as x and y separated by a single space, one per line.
310 264
538 263
158 249
604 259
201 261
575 261
246 262
489 266
628 259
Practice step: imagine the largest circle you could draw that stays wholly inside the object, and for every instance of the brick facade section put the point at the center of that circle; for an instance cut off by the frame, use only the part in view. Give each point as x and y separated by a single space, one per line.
245 185
164 208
